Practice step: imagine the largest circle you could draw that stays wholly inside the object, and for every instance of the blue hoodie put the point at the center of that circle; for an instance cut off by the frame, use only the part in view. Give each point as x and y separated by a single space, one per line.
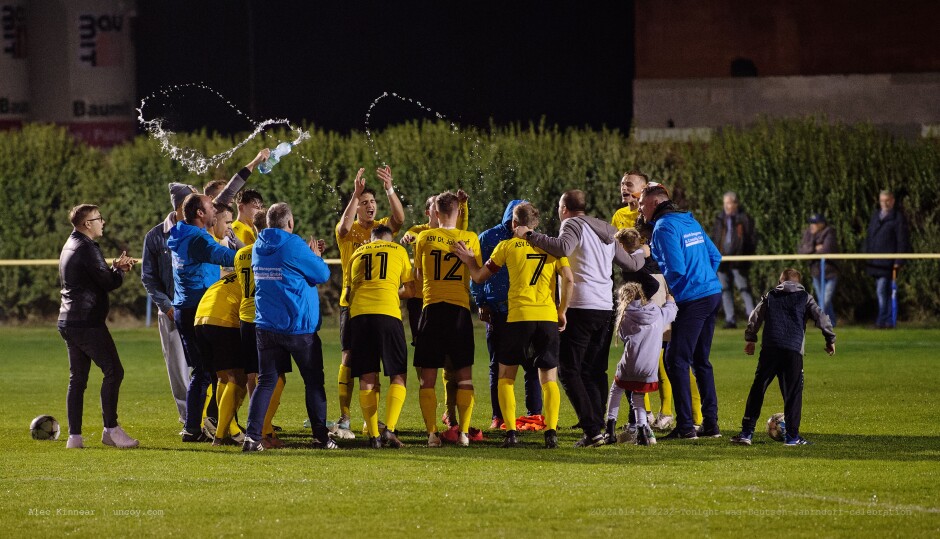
494 293
197 258
286 274
686 255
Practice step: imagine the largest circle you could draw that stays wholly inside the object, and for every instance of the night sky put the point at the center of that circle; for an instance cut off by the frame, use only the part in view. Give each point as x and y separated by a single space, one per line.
511 61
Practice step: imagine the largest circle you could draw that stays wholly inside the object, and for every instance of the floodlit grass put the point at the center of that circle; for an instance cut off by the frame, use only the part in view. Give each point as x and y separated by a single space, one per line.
873 470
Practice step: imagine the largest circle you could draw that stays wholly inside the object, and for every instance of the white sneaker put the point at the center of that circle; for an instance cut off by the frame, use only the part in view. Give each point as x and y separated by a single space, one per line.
434 440
209 425
663 422
116 437
335 431
240 437
627 435
463 440
75 442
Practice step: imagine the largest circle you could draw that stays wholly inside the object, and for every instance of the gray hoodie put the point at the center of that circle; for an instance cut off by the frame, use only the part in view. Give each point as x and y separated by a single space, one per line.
641 331
589 244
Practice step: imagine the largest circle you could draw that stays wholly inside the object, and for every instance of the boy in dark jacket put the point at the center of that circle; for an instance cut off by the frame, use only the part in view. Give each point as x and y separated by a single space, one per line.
785 310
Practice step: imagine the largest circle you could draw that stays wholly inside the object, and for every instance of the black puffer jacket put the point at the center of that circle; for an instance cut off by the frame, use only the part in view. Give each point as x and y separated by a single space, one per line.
86 280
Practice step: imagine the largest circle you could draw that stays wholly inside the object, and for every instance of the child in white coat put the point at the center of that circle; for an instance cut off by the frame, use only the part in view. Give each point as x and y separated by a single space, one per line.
640 325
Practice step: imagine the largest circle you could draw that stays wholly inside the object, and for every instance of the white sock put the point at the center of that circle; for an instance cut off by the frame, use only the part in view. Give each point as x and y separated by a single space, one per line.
639 408
613 401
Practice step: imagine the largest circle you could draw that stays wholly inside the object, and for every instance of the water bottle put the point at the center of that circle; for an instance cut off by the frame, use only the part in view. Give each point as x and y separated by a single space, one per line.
282 149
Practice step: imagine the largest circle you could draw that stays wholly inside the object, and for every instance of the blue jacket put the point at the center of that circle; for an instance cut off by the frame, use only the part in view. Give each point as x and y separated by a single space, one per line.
494 293
156 270
197 258
686 255
286 274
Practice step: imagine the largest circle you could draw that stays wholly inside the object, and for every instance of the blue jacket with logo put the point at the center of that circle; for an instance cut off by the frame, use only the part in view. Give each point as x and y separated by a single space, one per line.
494 293
197 258
286 274
686 256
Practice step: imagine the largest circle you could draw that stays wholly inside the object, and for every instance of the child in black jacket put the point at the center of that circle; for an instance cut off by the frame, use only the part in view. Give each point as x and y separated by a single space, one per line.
784 310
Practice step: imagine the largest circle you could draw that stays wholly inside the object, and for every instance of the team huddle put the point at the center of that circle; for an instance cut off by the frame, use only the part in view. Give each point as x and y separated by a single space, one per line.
238 301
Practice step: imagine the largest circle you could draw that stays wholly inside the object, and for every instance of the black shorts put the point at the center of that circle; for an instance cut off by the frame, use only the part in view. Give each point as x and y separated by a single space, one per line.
250 349
529 344
344 337
445 337
220 347
377 337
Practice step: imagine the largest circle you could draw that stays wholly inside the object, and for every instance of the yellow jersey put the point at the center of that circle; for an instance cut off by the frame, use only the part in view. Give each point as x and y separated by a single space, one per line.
625 218
463 221
376 272
444 277
357 237
531 280
246 280
245 233
219 306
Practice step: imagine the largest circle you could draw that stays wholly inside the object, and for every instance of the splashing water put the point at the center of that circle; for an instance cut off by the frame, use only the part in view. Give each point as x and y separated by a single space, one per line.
193 160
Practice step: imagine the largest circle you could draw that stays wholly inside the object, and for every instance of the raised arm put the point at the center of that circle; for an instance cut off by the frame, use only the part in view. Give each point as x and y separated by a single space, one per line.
478 274
349 214
227 195
463 218
397 217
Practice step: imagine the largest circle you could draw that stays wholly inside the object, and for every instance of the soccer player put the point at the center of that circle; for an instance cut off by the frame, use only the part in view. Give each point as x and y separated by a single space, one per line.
533 320
376 272
445 330
249 204
352 232
216 328
415 303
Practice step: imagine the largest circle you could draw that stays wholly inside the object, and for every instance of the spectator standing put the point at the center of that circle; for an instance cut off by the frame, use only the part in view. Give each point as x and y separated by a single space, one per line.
733 233
820 238
887 233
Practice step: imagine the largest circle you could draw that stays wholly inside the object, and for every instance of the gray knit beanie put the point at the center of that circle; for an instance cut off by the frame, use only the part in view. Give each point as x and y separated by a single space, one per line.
179 192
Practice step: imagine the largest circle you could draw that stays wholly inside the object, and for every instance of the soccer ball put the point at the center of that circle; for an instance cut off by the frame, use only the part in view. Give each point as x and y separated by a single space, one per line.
777 427
44 427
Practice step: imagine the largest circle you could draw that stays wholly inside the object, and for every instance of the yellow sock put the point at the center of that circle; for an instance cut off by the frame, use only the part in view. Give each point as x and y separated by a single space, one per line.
696 400
240 392
369 402
551 404
450 394
646 403
428 400
345 390
393 405
226 395
205 405
665 388
507 401
465 408
268 428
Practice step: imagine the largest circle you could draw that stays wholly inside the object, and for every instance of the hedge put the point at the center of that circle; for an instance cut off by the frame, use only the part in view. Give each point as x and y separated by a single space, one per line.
783 170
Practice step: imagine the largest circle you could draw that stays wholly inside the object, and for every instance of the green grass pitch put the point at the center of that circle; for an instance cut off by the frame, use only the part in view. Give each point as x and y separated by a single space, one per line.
874 469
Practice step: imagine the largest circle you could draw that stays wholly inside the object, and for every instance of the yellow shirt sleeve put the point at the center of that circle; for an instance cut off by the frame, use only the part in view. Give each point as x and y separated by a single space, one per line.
463 218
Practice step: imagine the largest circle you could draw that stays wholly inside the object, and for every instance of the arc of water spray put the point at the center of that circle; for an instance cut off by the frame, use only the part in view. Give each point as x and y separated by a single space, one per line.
192 159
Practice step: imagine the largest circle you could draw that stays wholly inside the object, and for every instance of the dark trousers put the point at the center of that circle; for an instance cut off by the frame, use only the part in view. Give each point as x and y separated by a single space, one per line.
199 378
533 387
275 349
583 360
690 346
87 345
787 367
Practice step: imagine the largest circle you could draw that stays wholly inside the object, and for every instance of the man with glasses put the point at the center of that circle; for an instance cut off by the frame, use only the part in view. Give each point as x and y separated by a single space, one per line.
86 280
